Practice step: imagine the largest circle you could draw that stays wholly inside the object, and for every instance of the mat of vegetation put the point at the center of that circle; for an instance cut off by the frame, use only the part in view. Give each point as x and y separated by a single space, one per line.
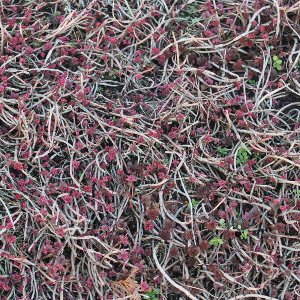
149 149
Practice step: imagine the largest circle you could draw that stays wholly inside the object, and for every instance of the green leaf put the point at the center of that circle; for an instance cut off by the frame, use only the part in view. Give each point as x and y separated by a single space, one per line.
222 151
194 204
275 58
279 62
222 222
279 68
157 144
194 21
216 241
191 9
244 235
271 47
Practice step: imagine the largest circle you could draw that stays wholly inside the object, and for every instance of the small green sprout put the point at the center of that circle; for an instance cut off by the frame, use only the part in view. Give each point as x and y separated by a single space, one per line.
194 204
222 151
112 75
2 270
252 82
243 155
191 9
216 241
222 222
152 294
256 154
277 63
244 234
58 13
297 193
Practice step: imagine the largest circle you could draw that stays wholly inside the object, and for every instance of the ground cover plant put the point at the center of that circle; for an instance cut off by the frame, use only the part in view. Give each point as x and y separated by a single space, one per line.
149 149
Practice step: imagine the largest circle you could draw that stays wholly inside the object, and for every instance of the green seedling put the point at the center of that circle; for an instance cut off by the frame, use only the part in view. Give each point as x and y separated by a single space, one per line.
20 238
222 222
112 75
152 294
252 82
191 9
2 270
297 193
244 234
194 204
216 241
243 155
58 13
256 154
222 151
277 63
